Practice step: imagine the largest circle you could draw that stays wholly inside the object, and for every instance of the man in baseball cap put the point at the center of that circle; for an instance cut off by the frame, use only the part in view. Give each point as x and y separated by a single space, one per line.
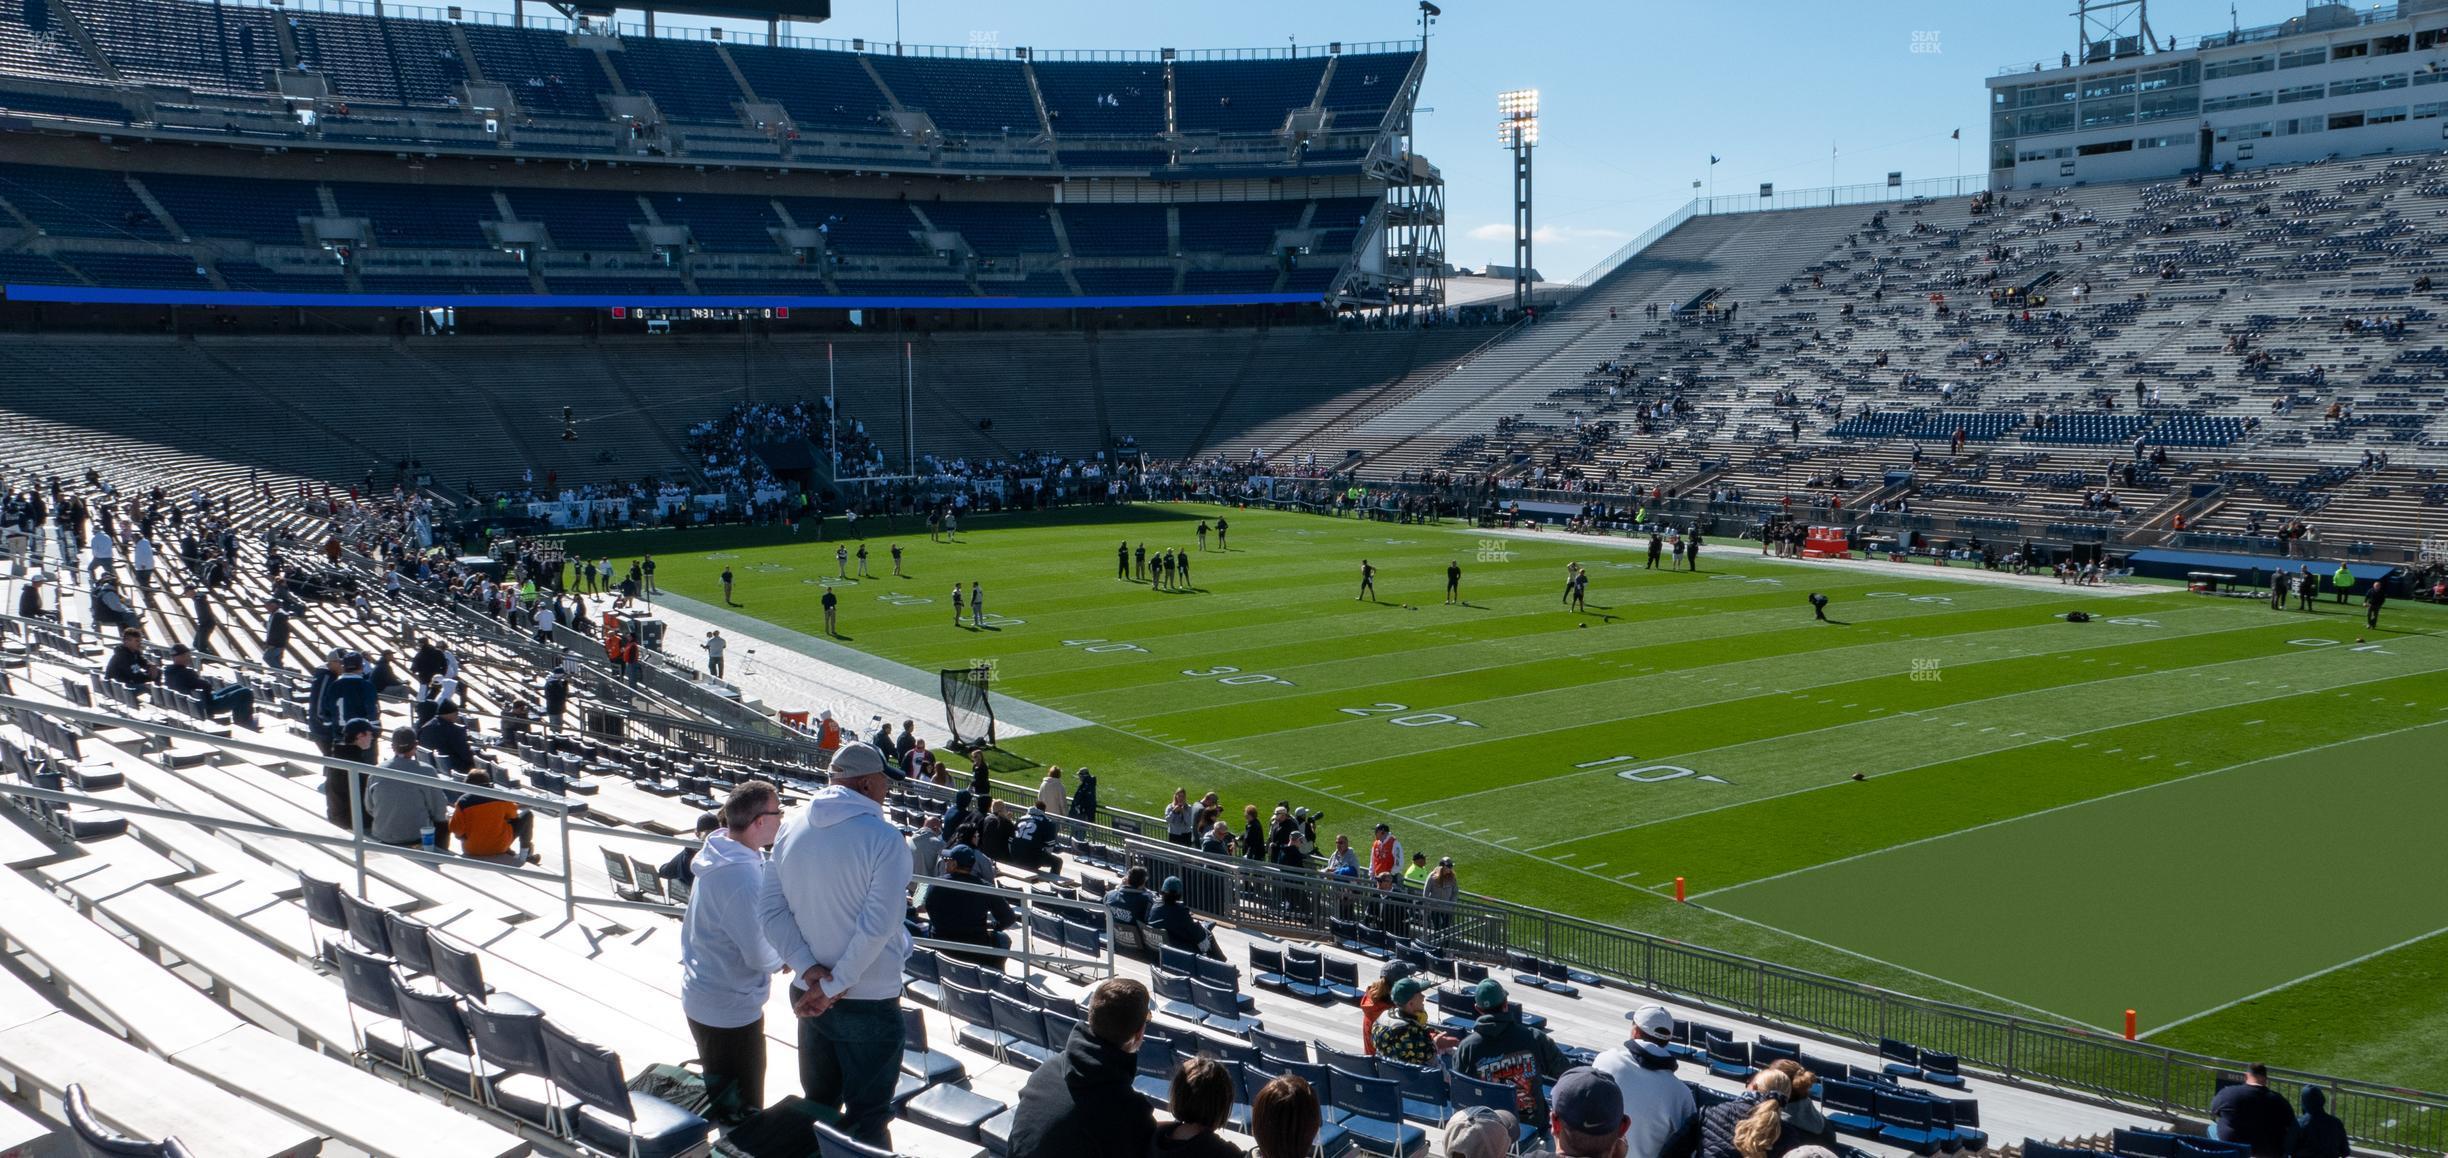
1588 1117
1402 1034
1659 1112
1501 1048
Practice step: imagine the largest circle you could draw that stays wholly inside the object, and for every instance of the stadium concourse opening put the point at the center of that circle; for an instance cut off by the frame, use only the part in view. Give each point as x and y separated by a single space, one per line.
516 532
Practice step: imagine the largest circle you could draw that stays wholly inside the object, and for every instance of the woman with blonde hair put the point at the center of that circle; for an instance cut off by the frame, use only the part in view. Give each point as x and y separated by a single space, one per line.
1752 1124
1802 1116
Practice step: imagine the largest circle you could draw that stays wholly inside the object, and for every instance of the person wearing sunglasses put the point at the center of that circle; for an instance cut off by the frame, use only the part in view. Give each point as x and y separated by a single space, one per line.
727 966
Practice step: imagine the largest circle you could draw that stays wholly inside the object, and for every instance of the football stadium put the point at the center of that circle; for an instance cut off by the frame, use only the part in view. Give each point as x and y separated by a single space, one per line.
585 580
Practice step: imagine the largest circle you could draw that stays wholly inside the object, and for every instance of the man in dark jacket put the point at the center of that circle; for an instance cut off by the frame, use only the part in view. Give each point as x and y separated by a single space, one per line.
1081 1103
351 695
276 639
427 663
319 723
205 622
968 917
128 662
2318 1134
237 699
1501 1048
556 697
1180 926
2254 1114
446 735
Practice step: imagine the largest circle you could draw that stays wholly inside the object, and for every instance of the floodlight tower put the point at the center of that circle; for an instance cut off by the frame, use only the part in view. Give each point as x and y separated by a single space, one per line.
1517 128
2109 29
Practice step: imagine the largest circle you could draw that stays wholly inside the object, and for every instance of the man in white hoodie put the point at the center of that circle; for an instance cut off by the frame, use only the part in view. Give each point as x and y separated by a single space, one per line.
1659 1110
832 905
725 962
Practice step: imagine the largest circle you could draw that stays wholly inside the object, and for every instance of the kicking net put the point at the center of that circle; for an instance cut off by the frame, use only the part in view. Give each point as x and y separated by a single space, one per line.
968 710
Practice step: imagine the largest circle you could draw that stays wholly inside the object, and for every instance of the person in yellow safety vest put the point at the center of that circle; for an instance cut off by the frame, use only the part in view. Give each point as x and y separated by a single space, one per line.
1416 877
2341 581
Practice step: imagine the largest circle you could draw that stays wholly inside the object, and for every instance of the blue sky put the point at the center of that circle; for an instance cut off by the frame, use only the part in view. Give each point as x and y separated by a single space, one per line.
1635 94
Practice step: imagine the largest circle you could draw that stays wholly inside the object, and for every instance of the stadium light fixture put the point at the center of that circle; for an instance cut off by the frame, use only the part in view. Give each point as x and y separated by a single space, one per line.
1517 113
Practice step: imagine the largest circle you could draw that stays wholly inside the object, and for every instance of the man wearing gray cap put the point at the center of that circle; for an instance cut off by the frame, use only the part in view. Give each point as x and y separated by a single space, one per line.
1586 1116
1659 1108
831 906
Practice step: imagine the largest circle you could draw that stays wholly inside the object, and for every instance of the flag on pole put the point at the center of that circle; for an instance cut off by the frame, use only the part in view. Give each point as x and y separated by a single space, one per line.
1714 158
1956 135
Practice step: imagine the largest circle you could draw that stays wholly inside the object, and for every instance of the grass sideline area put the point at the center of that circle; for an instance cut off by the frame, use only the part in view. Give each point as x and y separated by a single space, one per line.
2191 806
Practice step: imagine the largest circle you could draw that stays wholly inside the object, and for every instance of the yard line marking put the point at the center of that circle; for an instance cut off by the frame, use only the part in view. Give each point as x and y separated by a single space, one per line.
1595 867
2152 756
2061 808
1627 876
1990 728
2112 751
1899 968
1829 728
1511 738
1511 839
1910 768
2250 723
2317 973
1565 856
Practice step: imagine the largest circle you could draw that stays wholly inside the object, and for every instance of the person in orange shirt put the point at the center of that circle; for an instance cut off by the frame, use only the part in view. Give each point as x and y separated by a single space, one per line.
491 828
828 733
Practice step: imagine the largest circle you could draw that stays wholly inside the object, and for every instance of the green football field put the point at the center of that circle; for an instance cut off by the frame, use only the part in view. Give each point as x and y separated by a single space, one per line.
2219 815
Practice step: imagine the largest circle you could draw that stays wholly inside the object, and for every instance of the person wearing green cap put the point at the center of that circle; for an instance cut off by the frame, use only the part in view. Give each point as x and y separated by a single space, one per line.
1402 1033
1501 1048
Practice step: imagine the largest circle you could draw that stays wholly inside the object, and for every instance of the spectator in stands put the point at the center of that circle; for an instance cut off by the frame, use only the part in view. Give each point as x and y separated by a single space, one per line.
2318 1133
1480 1132
972 918
1659 1108
995 832
832 905
1181 821
1803 1116
29 599
556 697
1201 1104
1752 1123
1385 853
1284 1118
1501 1048
351 695
1588 1119
2254 1114
1343 862
1131 901
682 866
1377 999
1081 1102
1032 842
445 735
236 698
1180 926
205 621
128 662
926 848
1083 804
1219 841
141 560
276 638
726 964
1050 795
321 726
491 828
1402 1033
407 812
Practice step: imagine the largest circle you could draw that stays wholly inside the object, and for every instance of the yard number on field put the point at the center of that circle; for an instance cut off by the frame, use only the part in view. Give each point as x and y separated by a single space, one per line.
1651 774
1235 677
1393 715
1103 646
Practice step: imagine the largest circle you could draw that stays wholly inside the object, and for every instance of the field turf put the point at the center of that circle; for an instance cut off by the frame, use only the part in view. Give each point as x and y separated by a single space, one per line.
2213 813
